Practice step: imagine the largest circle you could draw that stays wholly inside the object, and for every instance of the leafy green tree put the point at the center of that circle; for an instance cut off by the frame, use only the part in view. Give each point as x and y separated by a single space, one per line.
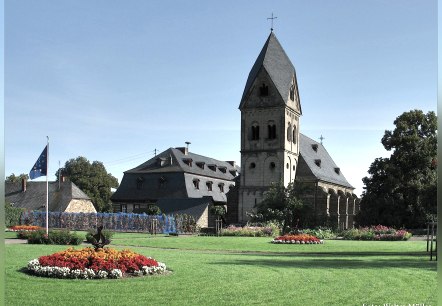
93 179
283 205
14 179
12 214
401 190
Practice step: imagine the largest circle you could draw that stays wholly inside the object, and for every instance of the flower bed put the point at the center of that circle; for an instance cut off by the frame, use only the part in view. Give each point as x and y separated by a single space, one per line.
87 263
18 228
378 232
298 239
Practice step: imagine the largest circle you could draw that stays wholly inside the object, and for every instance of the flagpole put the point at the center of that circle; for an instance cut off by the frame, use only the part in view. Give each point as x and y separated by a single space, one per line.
47 188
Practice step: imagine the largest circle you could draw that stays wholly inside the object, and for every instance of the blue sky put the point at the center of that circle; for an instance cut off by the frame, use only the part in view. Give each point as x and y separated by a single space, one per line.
114 80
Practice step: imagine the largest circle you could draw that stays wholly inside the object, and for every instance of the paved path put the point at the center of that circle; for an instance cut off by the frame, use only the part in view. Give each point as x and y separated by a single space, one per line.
15 241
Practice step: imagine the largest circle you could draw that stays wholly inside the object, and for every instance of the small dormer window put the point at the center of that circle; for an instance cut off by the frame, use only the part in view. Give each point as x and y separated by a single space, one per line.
233 172
315 147
209 186
264 90
188 161
222 169
161 161
196 183
200 165
318 162
337 170
212 167
221 187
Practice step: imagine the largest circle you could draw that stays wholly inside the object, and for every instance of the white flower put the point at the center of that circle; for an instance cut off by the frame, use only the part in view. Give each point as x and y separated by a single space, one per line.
116 273
102 274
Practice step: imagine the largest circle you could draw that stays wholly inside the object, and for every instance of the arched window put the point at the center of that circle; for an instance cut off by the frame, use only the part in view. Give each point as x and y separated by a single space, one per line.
255 131
271 128
289 132
264 90
292 92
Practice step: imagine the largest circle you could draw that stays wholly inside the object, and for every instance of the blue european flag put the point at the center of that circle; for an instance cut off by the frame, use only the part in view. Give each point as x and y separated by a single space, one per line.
41 165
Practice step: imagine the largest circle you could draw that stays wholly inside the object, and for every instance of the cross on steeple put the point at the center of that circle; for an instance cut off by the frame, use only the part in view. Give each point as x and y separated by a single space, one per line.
271 29
321 138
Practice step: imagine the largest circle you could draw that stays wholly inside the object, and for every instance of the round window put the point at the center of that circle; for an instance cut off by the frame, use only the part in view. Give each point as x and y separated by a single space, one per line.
272 165
252 165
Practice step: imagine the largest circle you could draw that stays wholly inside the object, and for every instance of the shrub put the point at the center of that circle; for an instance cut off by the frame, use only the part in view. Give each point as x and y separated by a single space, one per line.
186 224
107 235
267 230
12 214
62 237
320 232
378 232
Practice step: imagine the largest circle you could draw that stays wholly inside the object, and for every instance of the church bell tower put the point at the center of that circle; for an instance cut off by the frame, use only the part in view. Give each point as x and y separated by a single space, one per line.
270 111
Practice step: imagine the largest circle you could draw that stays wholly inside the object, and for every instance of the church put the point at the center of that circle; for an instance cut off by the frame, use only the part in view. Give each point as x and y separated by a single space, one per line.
272 150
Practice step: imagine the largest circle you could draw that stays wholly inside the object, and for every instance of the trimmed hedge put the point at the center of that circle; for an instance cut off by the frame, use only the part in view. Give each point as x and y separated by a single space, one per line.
62 237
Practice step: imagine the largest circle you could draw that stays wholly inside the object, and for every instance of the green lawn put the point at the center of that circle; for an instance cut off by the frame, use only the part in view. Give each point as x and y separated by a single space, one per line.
240 271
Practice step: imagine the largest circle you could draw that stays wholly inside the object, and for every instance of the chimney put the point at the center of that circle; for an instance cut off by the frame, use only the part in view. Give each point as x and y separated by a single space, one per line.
183 150
23 185
231 162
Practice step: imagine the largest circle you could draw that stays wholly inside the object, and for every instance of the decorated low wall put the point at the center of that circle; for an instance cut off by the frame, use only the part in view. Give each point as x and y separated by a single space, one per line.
120 222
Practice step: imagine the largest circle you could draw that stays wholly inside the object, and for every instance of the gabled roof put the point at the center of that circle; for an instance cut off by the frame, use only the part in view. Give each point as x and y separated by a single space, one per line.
174 160
315 163
171 174
34 198
275 61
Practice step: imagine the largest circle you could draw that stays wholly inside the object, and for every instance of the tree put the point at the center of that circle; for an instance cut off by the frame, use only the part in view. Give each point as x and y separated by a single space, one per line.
283 206
14 179
401 190
93 179
12 214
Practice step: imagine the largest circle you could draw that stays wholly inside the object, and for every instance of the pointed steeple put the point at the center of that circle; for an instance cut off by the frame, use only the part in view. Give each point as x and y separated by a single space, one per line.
278 66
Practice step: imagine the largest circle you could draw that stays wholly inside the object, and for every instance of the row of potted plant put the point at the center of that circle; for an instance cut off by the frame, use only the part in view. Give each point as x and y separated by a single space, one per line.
87 263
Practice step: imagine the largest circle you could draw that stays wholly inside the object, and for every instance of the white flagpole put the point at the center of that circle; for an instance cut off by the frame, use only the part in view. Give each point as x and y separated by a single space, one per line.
47 188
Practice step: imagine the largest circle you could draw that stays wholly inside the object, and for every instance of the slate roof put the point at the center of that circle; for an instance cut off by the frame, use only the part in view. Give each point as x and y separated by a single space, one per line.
177 170
194 205
308 169
179 165
34 198
275 61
